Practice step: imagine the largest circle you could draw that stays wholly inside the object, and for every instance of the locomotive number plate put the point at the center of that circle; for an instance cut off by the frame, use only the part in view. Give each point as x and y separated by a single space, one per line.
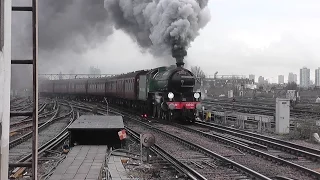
189 104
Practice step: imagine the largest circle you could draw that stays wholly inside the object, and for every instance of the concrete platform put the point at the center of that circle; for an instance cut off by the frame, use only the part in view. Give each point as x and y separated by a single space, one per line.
81 163
116 169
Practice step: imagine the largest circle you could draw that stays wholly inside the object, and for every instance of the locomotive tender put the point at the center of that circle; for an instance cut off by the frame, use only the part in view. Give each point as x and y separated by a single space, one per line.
163 92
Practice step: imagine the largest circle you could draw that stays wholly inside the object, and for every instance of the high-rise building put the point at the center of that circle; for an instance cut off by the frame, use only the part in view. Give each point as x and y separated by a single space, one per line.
252 77
317 75
292 78
281 79
295 78
261 80
304 77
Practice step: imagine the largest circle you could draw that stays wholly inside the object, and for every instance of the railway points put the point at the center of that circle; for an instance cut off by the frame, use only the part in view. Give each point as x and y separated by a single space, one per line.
312 172
197 166
52 132
207 163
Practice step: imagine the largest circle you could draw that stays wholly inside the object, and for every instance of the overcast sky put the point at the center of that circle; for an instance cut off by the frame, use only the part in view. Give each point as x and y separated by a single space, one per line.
261 37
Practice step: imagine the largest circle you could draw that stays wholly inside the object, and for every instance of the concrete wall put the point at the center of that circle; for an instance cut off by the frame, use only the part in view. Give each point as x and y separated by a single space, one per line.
5 79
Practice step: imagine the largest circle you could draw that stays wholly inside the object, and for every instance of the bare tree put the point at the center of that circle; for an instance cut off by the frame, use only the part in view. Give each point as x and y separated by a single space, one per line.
197 72
199 75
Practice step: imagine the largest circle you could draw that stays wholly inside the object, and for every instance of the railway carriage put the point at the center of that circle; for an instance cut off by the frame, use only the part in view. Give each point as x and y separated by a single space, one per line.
97 86
78 87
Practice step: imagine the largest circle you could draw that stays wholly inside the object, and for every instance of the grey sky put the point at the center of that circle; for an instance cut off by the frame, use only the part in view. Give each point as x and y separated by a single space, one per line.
265 37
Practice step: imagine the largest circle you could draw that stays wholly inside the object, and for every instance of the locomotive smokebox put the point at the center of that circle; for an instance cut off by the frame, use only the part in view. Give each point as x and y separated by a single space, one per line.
178 52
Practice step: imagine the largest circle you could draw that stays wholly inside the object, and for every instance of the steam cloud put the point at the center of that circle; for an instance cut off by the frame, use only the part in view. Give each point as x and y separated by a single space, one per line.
154 24
78 25
64 25
72 24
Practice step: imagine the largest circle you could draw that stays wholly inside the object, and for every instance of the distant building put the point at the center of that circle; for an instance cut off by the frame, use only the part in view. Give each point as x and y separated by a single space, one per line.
295 78
252 77
281 79
304 77
292 78
317 77
94 72
261 80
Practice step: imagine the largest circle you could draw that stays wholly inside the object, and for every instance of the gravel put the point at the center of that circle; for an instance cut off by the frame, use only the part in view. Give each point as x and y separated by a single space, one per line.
45 135
157 169
268 168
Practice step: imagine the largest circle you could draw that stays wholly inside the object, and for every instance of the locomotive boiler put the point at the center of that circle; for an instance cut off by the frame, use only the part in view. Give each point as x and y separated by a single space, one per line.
169 93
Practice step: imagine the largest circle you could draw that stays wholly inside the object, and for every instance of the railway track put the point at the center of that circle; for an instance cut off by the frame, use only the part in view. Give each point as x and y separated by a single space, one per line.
264 156
207 163
21 147
278 153
182 168
46 144
194 158
303 155
269 109
273 160
18 127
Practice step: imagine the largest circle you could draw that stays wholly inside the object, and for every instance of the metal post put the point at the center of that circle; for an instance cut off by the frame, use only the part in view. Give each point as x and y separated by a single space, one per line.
107 105
148 154
5 81
35 90
141 161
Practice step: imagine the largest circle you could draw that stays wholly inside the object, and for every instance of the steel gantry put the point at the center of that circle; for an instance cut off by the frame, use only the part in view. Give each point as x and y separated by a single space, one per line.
34 63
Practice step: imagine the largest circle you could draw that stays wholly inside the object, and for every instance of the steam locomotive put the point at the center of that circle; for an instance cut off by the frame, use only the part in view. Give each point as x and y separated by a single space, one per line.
163 92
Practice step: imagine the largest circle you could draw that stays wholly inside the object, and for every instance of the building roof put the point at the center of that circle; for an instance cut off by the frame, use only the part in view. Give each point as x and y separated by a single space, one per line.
97 122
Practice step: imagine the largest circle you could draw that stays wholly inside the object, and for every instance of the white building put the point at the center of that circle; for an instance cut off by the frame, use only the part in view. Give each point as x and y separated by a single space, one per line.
261 80
281 79
317 77
252 77
292 78
304 77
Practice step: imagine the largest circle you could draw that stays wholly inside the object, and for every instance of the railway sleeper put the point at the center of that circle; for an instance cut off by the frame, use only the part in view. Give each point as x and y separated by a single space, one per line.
255 152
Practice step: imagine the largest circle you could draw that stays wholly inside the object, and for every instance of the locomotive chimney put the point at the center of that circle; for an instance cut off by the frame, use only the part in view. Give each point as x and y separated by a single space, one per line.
178 52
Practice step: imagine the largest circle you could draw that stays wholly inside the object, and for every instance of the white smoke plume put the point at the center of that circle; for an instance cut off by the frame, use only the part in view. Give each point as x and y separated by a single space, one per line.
155 23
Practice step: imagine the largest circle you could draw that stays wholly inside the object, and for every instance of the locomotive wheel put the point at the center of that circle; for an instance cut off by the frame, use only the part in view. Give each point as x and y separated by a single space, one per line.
154 111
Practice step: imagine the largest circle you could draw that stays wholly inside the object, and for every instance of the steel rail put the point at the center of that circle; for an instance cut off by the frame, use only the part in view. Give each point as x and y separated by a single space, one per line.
237 166
179 166
252 150
29 134
257 107
63 135
310 153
